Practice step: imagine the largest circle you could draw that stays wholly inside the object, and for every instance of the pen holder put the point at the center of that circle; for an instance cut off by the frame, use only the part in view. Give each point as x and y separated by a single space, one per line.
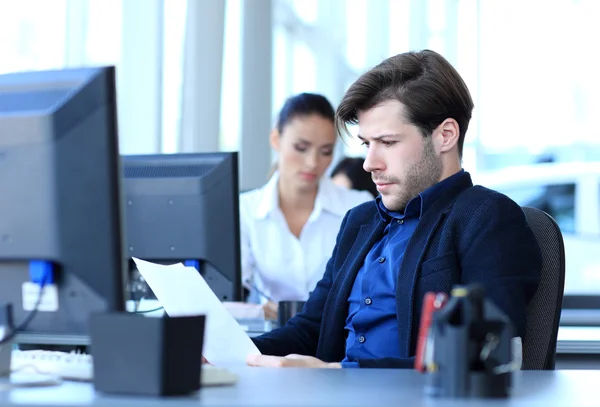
148 356
471 348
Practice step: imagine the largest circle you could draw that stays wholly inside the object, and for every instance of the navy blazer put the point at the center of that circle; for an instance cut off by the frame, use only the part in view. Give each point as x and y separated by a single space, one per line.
470 234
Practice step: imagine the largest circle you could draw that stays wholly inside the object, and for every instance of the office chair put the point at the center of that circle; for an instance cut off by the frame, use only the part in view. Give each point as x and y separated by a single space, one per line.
543 312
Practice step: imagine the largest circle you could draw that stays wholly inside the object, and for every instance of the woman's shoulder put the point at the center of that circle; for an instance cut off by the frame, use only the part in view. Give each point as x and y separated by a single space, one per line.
251 198
249 194
257 203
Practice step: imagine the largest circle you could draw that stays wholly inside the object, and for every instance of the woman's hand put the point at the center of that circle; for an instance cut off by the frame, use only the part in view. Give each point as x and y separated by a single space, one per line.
270 309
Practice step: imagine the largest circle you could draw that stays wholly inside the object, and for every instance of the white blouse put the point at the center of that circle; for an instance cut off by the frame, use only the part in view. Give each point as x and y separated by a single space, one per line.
280 265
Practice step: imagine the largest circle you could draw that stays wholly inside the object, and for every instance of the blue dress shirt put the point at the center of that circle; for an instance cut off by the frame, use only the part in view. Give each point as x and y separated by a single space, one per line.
371 323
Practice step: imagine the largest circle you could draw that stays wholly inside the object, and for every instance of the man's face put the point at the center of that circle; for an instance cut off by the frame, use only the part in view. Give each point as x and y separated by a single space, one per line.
401 161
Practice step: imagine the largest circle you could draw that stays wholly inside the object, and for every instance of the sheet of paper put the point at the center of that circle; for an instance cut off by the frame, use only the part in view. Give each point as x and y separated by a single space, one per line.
182 291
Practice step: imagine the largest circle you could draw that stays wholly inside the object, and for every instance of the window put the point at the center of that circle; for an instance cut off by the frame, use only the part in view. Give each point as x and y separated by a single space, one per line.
356 33
307 10
559 201
399 26
304 69
231 78
281 68
526 76
556 200
102 46
172 81
32 40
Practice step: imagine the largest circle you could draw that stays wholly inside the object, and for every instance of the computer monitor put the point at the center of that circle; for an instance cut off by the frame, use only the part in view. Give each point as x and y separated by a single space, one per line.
184 208
60 205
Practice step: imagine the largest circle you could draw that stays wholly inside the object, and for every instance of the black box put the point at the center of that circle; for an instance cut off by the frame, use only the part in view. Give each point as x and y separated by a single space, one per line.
134 354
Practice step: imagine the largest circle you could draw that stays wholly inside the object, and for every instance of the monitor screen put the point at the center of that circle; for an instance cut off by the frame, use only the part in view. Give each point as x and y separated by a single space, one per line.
60 212
184 208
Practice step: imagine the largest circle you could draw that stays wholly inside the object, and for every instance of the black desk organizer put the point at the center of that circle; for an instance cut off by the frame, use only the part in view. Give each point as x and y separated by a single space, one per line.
139 355
472 355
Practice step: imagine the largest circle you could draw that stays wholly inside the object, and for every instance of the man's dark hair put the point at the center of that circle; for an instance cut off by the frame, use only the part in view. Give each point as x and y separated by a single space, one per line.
428 86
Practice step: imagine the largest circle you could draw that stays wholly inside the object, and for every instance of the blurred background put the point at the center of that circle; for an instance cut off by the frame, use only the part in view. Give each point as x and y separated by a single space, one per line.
208 75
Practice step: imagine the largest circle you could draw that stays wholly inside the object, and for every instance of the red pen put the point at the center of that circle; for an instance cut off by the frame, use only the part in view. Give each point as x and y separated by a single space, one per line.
424 353
426 315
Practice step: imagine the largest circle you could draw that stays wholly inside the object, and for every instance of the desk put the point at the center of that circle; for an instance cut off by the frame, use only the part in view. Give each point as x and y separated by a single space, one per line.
327 387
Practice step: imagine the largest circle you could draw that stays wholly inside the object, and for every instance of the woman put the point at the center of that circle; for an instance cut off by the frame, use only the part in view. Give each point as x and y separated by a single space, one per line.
289 226
350 173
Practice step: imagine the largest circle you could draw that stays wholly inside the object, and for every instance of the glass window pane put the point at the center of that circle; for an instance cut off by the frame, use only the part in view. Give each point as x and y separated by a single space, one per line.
305 69
281 70
174 42
356 33
399 26
231 78
33 34
103 44
557 200
543 79
306 10
436 15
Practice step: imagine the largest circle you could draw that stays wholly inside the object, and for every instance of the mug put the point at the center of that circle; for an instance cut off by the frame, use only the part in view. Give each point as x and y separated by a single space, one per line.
287 309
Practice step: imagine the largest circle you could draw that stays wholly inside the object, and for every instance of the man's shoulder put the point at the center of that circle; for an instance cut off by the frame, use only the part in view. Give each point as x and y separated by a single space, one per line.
479 194
479 201
475 200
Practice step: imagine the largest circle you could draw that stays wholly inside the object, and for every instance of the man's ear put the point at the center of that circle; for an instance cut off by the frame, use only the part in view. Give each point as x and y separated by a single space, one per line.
448 133
274 139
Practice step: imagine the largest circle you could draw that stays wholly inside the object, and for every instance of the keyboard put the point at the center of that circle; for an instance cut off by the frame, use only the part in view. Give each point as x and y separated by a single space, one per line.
80 367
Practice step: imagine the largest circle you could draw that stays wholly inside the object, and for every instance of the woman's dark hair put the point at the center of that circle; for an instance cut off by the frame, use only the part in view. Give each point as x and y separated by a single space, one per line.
353 169
428 86
304 104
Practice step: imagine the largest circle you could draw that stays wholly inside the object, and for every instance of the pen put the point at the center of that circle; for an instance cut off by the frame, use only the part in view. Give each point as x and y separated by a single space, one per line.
250 286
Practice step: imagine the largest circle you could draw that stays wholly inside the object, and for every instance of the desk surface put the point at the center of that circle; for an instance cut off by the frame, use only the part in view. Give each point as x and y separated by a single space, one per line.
327 387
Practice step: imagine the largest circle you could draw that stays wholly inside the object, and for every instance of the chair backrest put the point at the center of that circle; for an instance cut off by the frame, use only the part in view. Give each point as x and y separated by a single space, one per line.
543 312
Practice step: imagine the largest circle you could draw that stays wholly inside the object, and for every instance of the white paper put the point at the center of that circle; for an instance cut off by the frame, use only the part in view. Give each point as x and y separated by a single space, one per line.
182 291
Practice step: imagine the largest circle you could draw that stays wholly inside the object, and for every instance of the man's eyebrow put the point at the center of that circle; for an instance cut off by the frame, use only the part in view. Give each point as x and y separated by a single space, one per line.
381 136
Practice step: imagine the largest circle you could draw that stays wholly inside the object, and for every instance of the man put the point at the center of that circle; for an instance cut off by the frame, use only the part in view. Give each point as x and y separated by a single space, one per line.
428 230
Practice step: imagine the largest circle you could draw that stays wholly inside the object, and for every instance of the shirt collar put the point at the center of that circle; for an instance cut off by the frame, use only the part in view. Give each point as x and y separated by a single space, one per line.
328 198
417 206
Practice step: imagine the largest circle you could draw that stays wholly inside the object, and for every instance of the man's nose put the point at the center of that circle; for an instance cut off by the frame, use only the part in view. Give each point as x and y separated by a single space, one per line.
372 162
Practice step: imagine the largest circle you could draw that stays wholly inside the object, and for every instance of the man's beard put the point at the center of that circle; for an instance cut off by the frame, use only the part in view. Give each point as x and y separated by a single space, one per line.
419 176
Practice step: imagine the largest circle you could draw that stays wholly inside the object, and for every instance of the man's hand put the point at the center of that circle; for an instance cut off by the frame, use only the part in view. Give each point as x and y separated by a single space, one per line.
270 309
289 361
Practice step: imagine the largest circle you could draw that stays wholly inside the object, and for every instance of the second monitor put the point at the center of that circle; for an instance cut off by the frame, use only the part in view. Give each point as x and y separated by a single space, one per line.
185 208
